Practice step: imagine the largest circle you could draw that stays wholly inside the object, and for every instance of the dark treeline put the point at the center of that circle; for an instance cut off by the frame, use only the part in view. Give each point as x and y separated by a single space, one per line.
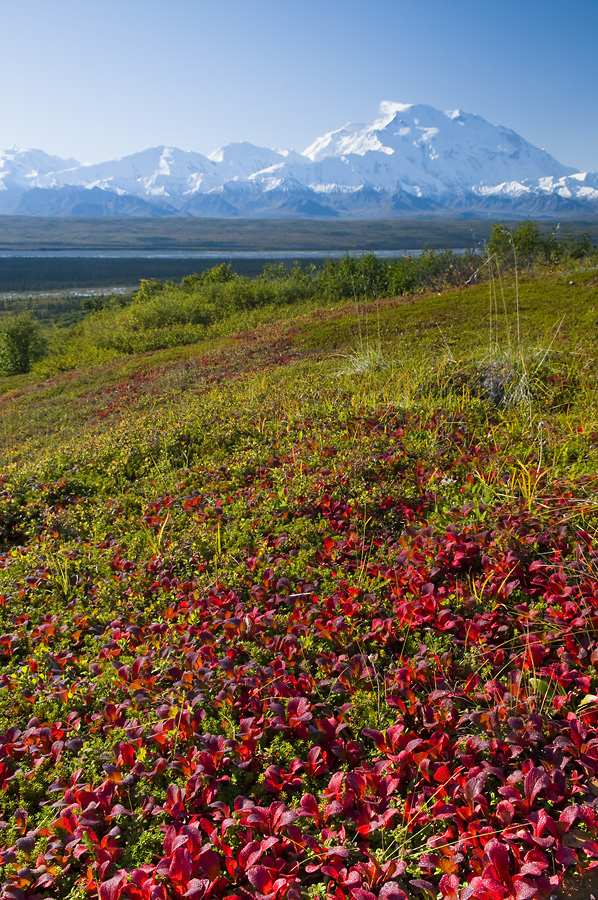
51 273
228 235
256 235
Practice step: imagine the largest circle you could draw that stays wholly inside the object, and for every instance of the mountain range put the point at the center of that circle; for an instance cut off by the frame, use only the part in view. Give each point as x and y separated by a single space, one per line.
411 159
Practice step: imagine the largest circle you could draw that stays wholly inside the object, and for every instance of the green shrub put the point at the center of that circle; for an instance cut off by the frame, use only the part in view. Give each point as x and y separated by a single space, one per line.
21 344
526 246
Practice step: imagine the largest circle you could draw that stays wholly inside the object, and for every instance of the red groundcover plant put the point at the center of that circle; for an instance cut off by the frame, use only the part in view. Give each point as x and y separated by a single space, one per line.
365 692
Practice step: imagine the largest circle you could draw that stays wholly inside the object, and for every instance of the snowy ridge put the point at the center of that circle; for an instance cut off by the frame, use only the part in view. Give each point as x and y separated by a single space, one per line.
411 157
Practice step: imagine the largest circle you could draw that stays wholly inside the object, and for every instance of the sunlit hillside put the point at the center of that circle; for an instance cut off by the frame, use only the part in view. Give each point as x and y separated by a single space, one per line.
300 599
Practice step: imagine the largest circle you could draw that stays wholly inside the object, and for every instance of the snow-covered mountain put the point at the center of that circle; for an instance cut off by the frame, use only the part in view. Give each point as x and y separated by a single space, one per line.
411 158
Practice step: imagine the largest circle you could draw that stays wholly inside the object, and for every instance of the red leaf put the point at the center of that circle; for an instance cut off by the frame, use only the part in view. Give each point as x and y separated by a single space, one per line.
197 888
360 894
173 794
449 887
356 783
309 805
444 774
64 824
194 839
523 890
299 709
294 834
566 856
181 866
268 843
249 854
505 812
535 781
335 785
498 854
496 887
44 881
210 863
127 753
474 787
570 814
281 816
111 889
259 877
391 891
119 810
376 736
172 841
425 886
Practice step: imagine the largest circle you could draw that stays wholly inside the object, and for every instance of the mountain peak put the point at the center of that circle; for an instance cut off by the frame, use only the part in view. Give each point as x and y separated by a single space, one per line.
390 107
411 157
239 150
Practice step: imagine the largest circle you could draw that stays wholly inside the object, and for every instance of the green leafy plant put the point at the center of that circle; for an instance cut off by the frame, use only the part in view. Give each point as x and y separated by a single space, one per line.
21 344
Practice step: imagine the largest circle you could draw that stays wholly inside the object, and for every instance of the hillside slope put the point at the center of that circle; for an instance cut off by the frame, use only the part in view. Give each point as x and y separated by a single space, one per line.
310 611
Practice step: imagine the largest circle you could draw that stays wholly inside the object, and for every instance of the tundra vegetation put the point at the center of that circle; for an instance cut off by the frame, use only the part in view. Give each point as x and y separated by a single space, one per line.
299 586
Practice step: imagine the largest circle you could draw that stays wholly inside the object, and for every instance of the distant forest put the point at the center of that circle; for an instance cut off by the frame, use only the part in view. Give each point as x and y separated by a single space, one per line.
257 235
51 273
222 235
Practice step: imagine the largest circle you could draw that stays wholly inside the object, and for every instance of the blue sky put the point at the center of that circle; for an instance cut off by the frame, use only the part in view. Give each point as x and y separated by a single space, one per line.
97 80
